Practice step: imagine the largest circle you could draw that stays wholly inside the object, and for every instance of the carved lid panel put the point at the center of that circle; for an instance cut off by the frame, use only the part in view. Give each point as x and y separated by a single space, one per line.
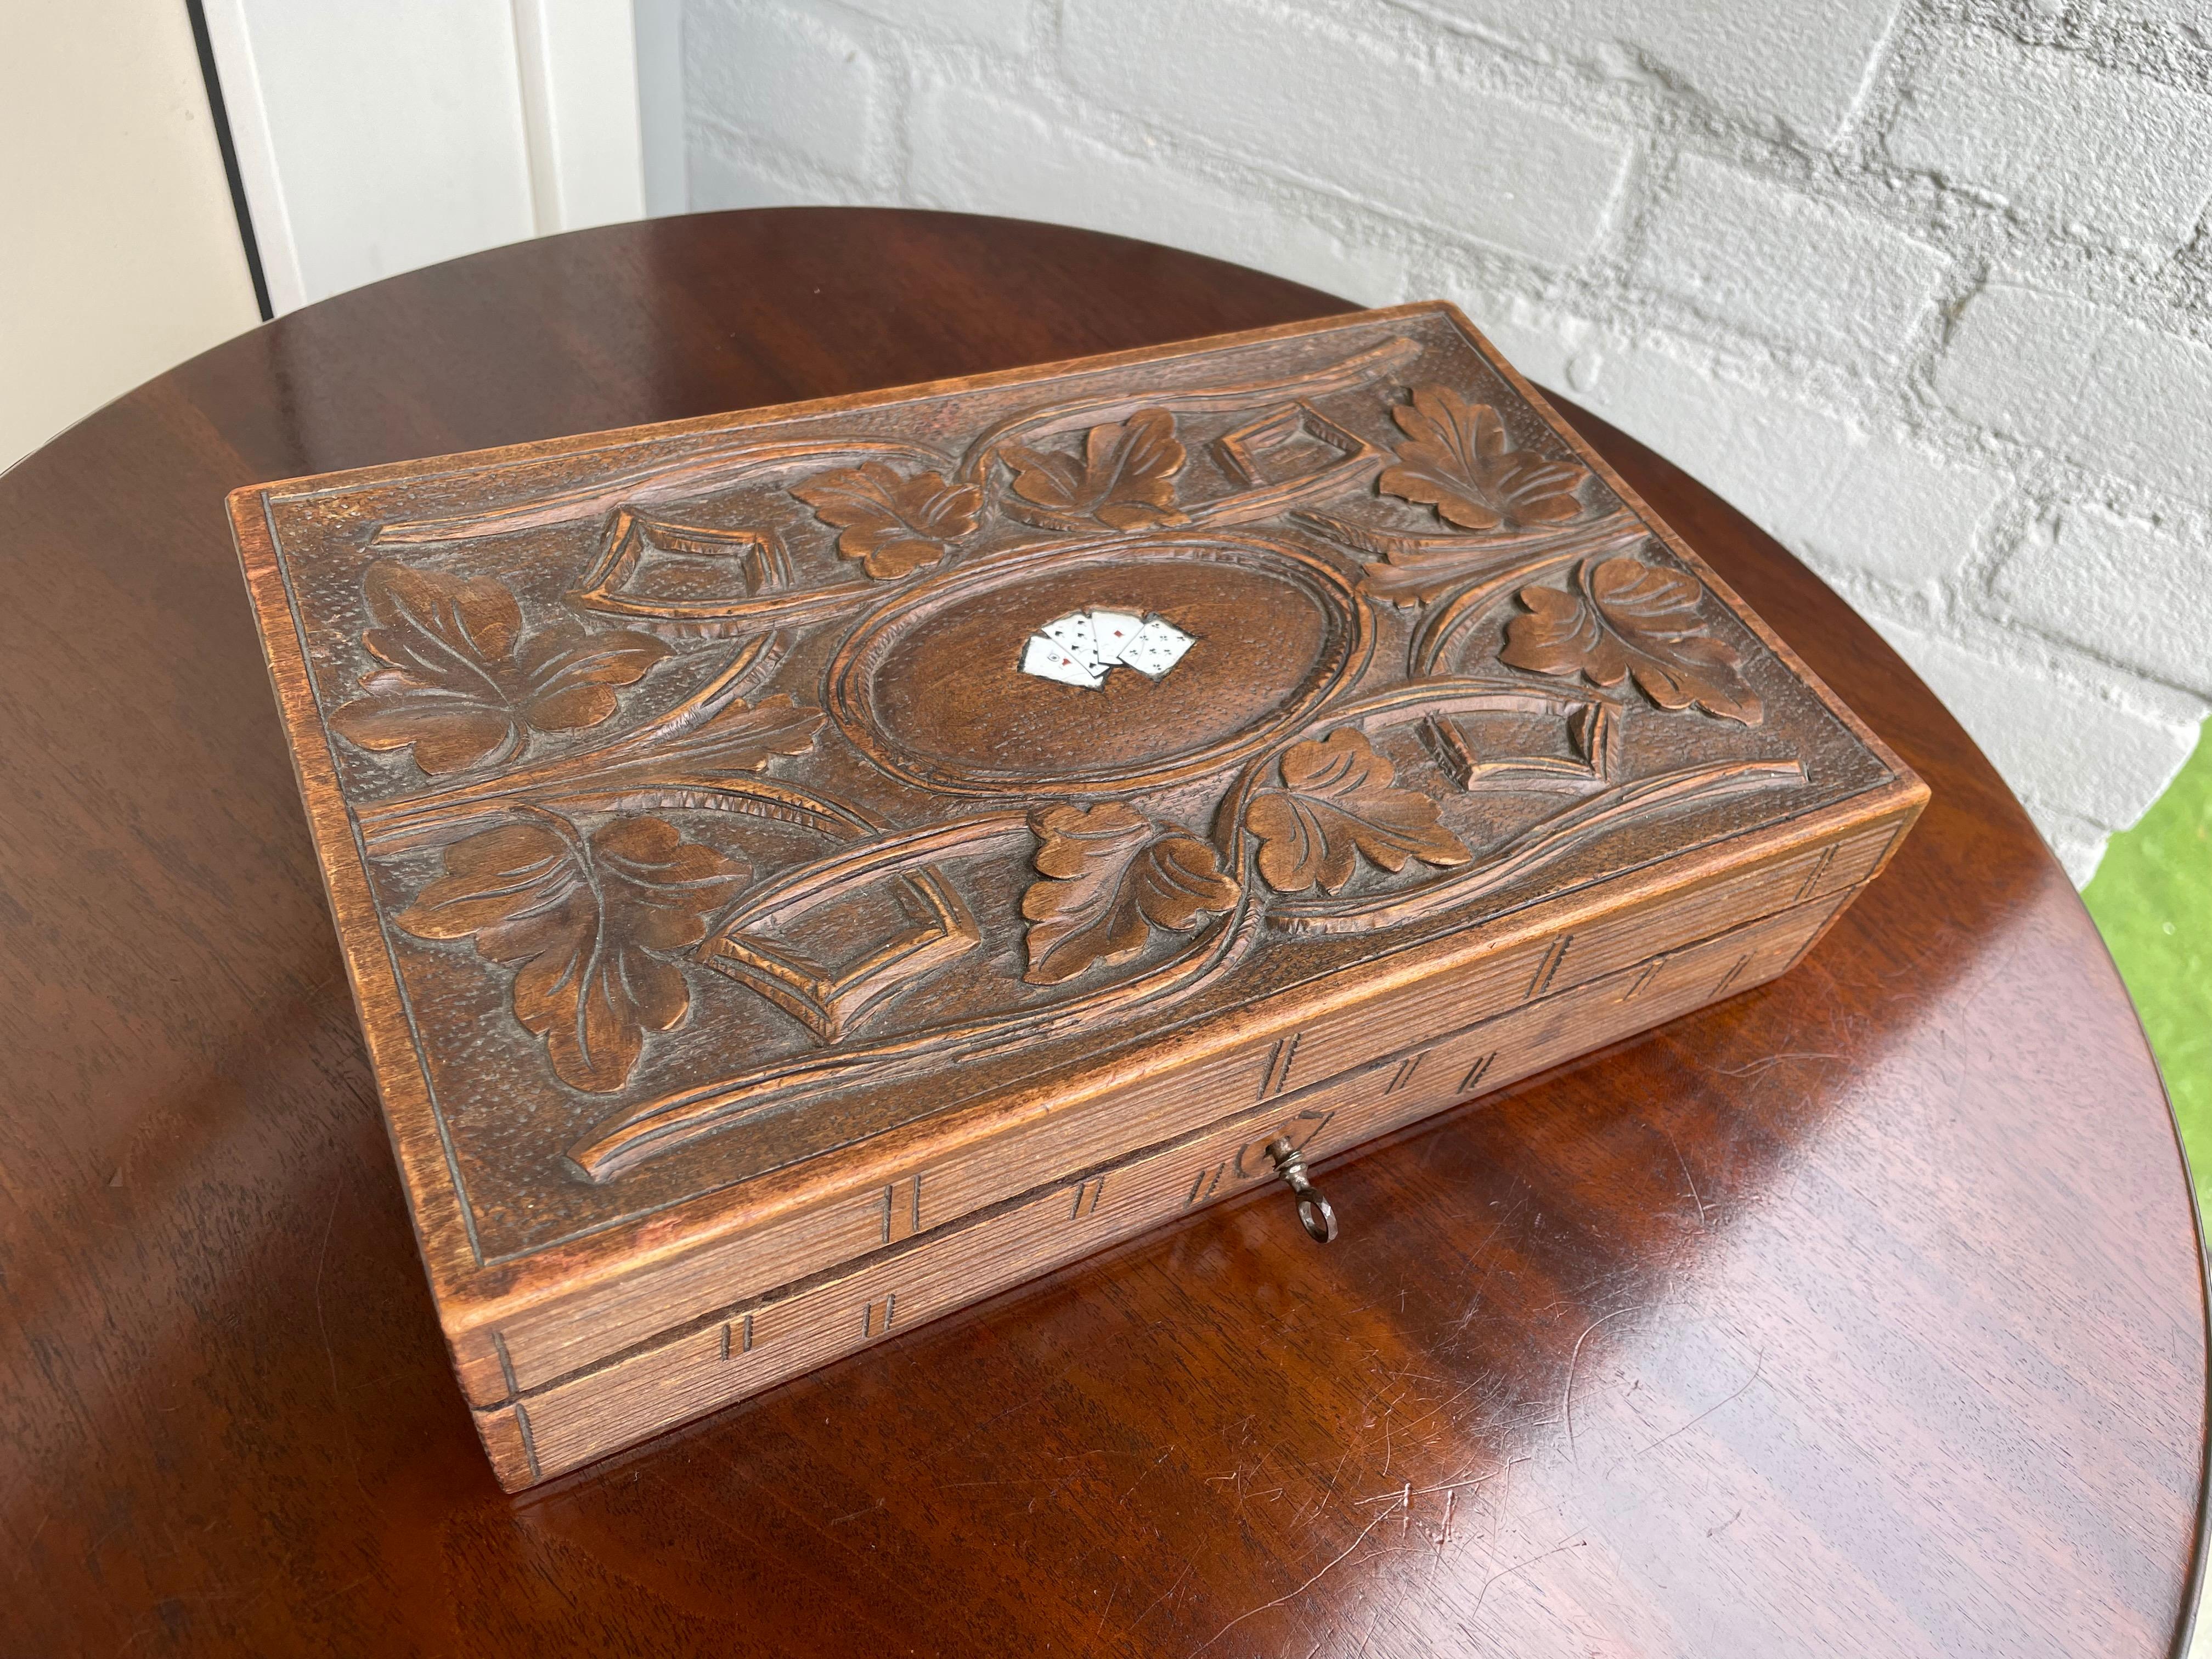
731 791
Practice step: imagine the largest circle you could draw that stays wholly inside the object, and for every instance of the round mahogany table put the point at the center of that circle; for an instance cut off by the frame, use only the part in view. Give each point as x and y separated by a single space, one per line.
1861 1314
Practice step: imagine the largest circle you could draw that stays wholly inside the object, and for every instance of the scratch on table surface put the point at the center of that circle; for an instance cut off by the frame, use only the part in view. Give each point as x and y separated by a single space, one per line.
1036 1398
1567 1399
1757 1366
999 1480
1321 1503
1165 1453
1767 1062
1291 1596
330 1354
1157 1600
1411 1491
1704 1210
23 1555
1448 1400
1518 1567
1482 1249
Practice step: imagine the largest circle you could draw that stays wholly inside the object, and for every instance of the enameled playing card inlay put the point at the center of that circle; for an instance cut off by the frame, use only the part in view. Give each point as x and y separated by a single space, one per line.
1080 647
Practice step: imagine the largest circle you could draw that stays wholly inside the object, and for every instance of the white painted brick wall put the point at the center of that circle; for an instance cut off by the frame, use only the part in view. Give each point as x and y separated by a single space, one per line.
981 153
1264 84
1768 259
2120 155
1787 68
1924 286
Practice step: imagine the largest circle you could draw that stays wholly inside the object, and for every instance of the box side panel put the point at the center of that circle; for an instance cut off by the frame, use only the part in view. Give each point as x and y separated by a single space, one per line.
744 1348
553 1339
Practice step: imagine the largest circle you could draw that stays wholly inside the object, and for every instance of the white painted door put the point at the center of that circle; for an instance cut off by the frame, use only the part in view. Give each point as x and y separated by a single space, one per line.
373 138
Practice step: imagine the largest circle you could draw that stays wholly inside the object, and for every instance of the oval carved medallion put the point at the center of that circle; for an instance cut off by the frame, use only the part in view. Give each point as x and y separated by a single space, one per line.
931 686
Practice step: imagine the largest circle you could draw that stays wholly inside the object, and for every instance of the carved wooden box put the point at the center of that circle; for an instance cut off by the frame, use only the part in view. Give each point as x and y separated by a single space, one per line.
783 910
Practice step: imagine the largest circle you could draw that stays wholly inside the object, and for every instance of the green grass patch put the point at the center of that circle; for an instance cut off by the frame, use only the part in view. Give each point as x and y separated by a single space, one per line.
2152 899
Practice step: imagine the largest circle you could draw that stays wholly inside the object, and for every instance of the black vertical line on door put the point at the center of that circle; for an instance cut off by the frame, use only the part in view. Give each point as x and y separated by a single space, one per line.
220 116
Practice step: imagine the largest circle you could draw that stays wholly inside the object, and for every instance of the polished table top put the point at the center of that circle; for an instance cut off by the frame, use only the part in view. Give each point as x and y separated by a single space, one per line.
1861 1315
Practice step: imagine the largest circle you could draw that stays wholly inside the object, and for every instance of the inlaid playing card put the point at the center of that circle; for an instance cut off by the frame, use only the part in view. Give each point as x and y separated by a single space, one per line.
1073 634
1115 631
1050 661
1158 646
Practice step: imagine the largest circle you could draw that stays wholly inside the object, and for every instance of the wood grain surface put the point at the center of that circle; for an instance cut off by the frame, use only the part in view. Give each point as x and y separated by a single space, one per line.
1861 1314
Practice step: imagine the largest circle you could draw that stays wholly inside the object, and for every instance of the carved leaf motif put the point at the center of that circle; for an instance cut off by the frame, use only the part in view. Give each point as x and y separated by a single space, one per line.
1460 460
580 921
460 681
1124 480
1339 801
1111 875
893 525
1633 618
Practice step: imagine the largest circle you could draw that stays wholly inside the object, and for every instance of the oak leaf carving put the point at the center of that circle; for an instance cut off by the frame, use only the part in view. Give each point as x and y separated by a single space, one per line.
1124 480
582 921
1111 875
1459 458
461 682
893 525
1339 801
1629 617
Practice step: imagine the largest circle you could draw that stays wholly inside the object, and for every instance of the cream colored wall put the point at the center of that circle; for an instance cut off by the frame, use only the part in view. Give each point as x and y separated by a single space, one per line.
120 254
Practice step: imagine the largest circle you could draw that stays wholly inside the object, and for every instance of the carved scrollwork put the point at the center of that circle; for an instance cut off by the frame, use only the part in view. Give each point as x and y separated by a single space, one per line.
710 470
1232 396
1418 569
1110 875
1338 801
585 922
708 752
459 681
1624 617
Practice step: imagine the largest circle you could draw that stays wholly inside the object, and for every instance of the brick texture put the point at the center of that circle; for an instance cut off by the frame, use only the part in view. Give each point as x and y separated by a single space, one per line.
1770 259
2097 388
1792 68
1002 23
985 153
1847 499
2131 590
1925 290
2060 137
1295 100
784 82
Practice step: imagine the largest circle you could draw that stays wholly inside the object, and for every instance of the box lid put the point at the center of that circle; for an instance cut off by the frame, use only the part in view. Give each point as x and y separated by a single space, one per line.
720 814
